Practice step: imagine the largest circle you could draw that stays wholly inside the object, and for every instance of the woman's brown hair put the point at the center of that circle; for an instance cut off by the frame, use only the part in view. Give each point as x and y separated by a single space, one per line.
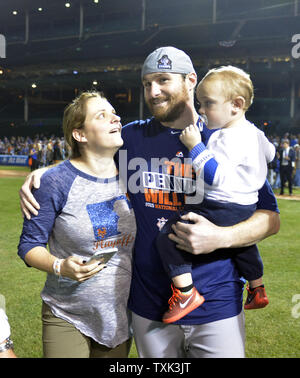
74 118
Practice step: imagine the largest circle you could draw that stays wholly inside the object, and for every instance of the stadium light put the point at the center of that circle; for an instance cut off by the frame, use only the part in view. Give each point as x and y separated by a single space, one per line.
14 12
95 82
40 9
33 85
96 1
67 5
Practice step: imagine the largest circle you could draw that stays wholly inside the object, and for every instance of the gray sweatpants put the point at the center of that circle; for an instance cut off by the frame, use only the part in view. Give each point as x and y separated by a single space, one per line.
220 339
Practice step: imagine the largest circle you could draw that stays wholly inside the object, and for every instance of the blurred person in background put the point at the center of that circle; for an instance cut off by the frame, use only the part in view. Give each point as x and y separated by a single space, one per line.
57 153
286 156
49 154
33 157
297 161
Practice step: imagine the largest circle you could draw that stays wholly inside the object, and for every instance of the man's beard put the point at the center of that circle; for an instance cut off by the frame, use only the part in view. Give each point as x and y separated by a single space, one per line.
176 106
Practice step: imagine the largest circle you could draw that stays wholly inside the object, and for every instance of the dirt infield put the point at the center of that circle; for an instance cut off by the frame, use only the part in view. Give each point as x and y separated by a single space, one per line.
294 197
12 173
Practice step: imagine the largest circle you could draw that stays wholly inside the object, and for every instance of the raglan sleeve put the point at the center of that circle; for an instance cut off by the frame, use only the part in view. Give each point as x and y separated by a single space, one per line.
232 163
37 230
220 169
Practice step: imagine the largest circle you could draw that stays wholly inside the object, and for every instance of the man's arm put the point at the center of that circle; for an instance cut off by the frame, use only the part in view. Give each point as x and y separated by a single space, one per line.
203 237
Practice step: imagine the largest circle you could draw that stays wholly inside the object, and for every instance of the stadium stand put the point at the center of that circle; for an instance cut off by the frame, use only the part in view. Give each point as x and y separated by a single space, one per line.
54 51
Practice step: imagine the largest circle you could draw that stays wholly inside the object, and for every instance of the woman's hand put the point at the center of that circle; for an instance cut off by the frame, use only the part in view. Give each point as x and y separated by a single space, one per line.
72 267
75 268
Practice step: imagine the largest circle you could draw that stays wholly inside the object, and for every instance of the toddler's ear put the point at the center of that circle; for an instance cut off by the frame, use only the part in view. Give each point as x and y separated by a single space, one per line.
238 103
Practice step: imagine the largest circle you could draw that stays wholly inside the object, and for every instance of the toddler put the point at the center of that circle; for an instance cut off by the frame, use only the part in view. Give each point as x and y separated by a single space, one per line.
233 167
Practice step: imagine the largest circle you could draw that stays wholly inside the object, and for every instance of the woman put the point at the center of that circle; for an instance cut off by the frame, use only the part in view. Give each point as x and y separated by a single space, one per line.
84 211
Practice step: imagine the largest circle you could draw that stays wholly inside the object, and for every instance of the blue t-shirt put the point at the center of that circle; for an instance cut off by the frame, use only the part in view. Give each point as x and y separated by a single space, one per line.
156 166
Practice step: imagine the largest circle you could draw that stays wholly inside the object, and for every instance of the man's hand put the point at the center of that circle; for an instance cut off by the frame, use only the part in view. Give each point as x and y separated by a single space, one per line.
202 236
199 237
27 201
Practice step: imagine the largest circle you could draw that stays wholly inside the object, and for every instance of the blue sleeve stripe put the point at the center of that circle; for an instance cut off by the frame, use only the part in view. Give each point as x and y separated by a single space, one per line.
210 170
210 165
197 150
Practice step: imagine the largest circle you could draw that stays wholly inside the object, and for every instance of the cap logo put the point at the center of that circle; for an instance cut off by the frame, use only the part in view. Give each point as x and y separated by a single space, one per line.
164 63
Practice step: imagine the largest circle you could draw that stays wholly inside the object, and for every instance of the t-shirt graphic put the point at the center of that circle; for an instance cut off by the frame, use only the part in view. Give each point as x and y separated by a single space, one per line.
104 218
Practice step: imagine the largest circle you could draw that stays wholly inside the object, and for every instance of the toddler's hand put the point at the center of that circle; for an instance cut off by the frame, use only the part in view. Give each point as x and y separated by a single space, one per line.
190 136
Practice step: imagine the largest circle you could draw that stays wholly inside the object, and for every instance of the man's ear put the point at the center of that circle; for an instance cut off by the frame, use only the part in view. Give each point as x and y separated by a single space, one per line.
238 104
192 80
78 135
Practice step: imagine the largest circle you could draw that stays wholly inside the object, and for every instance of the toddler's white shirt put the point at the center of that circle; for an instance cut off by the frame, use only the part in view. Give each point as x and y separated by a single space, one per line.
234 163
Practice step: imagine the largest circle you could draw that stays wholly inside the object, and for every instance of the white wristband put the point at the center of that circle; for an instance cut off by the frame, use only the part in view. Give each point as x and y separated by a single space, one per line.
56 266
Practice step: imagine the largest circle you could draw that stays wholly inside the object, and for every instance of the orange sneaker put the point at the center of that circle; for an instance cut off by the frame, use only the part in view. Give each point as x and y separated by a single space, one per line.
180 304
256 298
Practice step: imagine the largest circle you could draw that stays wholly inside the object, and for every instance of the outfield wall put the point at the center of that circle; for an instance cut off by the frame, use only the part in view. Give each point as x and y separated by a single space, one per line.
17 160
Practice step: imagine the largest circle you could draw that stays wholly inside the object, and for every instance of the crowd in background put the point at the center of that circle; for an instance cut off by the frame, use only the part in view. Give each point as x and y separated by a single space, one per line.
43 151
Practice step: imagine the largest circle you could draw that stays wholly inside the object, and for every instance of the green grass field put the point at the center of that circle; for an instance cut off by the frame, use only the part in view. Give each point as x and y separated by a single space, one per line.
271 332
